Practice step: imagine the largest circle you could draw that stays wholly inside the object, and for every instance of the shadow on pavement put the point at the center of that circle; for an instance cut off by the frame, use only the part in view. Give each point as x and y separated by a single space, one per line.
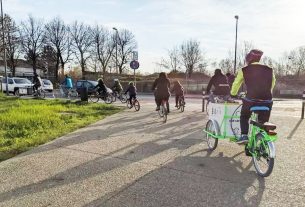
291 134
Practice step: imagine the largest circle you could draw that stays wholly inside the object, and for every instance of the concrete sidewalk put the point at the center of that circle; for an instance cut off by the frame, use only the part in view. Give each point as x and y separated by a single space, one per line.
133 159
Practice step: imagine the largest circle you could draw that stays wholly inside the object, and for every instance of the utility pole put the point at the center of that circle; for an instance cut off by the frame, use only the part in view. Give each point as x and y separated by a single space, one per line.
4 49
236 17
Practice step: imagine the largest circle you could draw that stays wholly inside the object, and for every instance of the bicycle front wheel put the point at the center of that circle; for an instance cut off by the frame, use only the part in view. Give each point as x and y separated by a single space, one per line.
263 156
123 98
94 97
211 140
108 99
136 105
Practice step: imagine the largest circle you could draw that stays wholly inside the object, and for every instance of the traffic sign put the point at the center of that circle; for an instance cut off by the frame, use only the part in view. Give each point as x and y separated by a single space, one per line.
135 55
134 64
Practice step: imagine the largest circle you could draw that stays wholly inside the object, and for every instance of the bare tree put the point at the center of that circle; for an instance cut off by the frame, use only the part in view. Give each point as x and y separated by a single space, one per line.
126 44
297 60
57 36
191 55
245 48
81 43
173 61
12 42
103 46
32 39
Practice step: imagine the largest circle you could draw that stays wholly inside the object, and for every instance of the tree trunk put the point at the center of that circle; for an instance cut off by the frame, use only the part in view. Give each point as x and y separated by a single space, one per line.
56 68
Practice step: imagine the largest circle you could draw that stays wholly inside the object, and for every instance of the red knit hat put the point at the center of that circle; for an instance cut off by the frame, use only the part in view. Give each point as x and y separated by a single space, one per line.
254 56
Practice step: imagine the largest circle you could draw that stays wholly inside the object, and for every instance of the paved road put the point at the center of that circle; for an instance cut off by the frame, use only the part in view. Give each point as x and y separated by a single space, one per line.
133 159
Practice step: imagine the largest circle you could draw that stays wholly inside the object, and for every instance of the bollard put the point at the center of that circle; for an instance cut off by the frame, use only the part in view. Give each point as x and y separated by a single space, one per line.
303 105
203 98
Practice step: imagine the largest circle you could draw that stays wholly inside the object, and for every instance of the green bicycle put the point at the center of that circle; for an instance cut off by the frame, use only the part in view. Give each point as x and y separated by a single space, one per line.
261 136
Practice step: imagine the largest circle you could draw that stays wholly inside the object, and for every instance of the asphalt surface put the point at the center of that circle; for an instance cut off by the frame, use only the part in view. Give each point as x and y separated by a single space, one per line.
133 159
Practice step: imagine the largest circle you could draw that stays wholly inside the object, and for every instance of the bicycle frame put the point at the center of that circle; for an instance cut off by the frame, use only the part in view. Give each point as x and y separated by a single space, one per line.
254 130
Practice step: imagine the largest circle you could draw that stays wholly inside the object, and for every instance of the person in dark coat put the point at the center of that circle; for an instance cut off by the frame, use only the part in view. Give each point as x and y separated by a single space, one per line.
101 87
161 88
132 90
260 81
220 83
178 90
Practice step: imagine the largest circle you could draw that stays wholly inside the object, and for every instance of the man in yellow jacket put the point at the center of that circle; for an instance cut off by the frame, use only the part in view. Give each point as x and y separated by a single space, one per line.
259 80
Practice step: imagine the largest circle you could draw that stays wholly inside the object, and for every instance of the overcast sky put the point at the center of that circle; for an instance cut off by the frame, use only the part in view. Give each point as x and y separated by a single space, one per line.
274 26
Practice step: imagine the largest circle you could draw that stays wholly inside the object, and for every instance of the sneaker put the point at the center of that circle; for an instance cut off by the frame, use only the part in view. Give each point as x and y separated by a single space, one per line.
176 106
243 139
158 108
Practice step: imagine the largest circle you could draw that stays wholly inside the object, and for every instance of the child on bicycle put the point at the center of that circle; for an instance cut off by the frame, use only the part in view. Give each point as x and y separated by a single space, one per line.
132 92
178 90
117 87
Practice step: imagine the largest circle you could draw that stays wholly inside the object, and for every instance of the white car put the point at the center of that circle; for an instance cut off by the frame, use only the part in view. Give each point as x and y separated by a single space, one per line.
14 84
47 85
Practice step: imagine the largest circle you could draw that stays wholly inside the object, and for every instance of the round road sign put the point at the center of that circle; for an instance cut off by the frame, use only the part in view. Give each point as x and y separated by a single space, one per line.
134 64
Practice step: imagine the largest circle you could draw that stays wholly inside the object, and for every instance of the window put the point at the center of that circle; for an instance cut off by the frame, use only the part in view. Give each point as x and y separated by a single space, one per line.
87 85
46 82
10 81
22 81
79 84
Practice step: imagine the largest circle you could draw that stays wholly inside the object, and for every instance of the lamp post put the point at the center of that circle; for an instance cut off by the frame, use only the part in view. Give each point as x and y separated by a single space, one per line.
4 49
236 17
116 49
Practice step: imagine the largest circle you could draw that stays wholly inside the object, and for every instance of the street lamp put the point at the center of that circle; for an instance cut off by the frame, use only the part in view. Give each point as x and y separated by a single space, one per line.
236 17
4 49
116 49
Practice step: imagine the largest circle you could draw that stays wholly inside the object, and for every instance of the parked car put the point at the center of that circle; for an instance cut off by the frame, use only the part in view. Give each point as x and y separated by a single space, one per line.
14 84
47 85
88 84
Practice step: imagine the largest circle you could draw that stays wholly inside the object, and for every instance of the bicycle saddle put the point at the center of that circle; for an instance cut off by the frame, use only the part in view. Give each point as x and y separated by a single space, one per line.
259 108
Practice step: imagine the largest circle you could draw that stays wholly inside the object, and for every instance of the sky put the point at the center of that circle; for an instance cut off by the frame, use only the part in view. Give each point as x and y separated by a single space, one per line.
274 26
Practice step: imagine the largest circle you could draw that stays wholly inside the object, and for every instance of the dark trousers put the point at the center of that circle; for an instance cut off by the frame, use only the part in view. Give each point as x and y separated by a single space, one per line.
131 97
158 100
263 116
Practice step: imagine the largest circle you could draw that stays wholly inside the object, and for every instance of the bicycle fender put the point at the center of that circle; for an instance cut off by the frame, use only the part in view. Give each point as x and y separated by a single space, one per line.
272 149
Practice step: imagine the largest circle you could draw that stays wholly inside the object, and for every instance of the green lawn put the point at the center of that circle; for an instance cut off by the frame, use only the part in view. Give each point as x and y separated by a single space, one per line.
26 123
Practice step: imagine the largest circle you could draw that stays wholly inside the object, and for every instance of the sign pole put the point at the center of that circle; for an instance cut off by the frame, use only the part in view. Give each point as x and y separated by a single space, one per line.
134 75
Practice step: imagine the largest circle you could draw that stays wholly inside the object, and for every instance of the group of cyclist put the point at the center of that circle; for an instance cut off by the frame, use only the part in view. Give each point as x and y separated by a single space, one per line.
258 78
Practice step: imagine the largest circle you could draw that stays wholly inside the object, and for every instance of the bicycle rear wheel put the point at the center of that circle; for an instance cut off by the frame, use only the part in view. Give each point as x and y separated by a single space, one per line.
42 94
164 112
113 97
94 97
211 141
181 104
108 99
73 93
136 105
261 156
128 104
